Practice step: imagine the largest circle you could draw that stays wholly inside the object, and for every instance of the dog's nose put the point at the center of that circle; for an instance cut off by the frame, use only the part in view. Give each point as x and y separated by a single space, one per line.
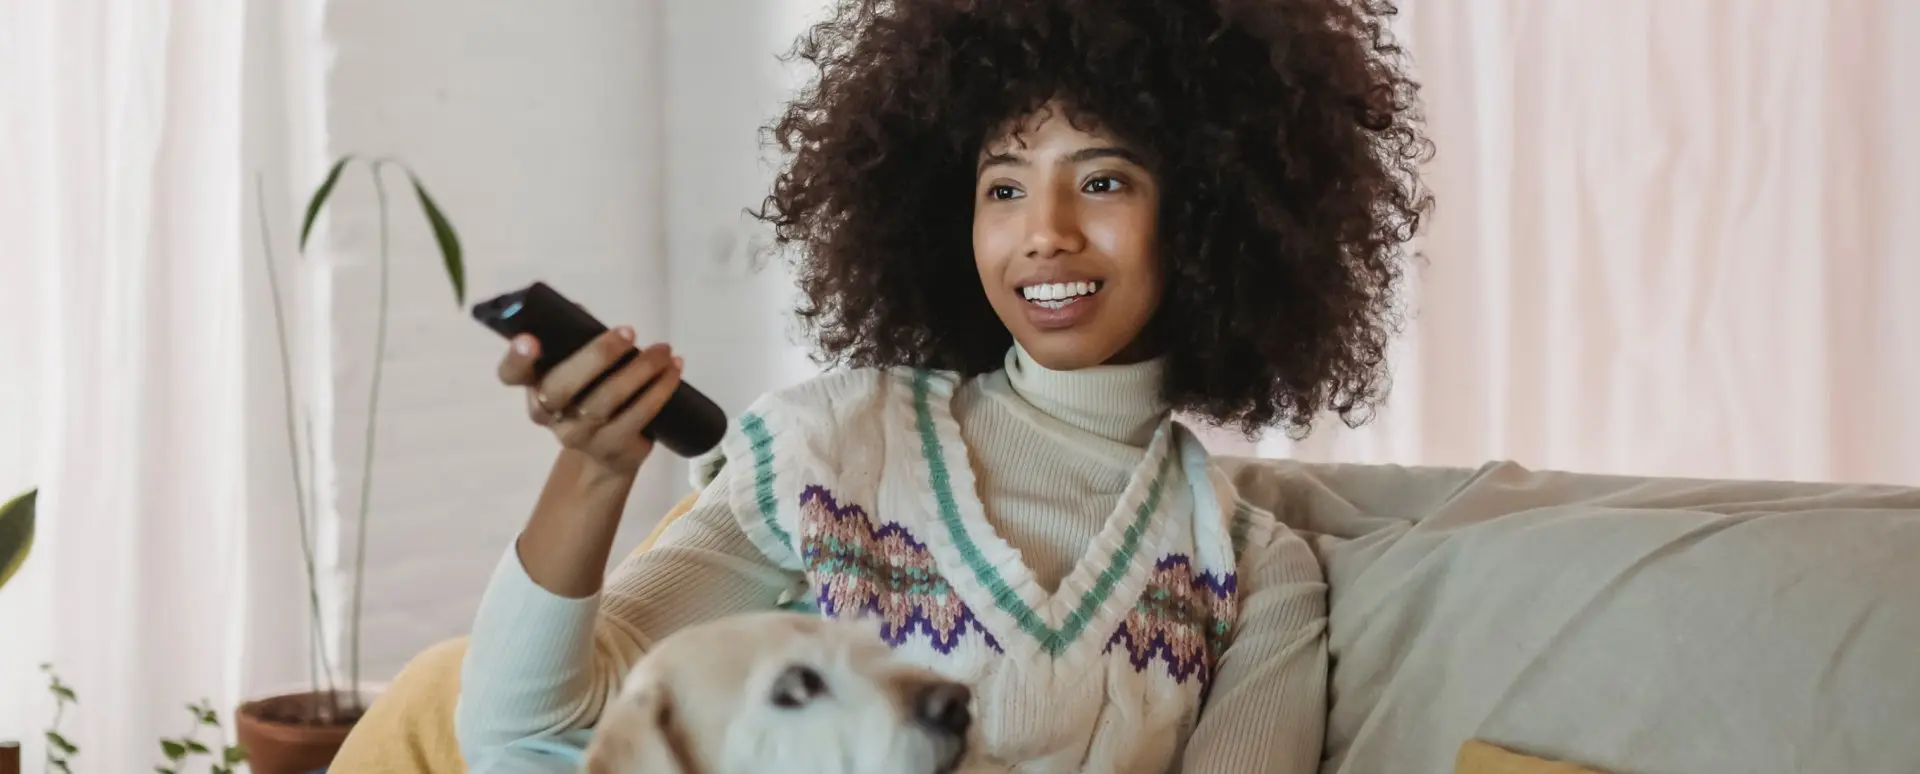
943 707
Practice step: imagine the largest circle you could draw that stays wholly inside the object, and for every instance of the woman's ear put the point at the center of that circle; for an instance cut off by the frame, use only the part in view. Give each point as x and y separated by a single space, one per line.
637 734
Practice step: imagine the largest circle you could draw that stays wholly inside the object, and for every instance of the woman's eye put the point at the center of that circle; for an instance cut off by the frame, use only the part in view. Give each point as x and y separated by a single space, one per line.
1002 192
1100 185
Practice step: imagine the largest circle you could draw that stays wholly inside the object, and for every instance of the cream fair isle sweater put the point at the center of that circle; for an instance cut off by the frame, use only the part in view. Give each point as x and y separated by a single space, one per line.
1051 451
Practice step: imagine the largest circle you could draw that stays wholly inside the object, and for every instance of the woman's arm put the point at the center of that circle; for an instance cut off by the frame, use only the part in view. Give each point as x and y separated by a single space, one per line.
1268 707
550 646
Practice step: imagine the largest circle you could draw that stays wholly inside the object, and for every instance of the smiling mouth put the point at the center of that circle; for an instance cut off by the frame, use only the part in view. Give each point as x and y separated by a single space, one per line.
1059 295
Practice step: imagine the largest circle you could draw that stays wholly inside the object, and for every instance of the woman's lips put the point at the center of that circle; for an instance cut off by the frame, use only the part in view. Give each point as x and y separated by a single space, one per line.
1054 306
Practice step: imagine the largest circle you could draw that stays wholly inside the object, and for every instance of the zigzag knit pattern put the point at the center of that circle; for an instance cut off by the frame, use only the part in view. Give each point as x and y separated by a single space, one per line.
859 568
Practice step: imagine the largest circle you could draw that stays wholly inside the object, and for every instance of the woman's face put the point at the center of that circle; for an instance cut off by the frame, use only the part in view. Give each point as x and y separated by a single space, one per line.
1063 235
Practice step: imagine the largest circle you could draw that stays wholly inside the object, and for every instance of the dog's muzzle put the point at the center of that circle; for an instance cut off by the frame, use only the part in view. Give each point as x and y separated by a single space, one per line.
943 707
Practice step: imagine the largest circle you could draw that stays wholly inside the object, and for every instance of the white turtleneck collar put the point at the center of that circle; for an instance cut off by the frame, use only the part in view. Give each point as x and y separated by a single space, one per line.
1120 403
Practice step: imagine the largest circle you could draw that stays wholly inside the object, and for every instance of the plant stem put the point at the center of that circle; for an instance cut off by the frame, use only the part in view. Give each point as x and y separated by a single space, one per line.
59 711
293 446
189 738
317 640
366 462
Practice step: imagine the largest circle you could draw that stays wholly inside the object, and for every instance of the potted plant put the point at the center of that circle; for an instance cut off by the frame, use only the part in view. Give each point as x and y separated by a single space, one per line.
297 733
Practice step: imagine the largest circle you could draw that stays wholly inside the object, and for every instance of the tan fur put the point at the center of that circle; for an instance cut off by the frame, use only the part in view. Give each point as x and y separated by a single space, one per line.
644 741
717 699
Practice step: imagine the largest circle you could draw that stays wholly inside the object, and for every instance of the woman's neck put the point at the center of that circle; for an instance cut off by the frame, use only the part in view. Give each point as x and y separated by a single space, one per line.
1117 402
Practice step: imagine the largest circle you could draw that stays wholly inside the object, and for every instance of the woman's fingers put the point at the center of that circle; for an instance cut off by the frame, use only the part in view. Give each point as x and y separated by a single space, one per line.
516 367
607 395
570 379
622 433
597 400
618 389
540 415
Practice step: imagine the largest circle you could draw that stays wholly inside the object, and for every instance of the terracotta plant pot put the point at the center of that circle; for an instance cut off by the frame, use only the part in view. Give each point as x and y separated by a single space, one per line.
279 738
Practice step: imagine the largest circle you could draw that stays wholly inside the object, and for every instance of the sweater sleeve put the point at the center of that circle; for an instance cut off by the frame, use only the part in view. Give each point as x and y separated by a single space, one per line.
1268 708
539 664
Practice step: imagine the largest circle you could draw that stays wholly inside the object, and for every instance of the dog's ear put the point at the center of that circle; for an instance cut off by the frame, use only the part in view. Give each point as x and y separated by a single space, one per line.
637 734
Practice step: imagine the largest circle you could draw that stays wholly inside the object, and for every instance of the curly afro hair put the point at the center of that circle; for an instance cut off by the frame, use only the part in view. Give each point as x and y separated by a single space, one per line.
1285 136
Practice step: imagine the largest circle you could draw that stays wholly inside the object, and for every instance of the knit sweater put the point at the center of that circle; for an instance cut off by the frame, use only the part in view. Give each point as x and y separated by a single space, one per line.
1051 453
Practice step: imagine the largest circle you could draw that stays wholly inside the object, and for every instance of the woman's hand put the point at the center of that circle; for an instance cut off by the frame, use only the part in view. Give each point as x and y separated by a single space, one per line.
598 399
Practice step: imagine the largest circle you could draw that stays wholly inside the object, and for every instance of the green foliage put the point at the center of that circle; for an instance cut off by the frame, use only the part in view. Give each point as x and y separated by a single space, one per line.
452 258
185 749
179 751
60 751
16 533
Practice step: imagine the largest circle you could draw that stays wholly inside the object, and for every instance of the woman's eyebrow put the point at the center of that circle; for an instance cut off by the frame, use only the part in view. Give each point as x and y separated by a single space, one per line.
1105 152
1002 159
1077 157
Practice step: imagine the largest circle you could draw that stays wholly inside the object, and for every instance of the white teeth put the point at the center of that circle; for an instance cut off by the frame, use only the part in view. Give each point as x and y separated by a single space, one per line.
1059 291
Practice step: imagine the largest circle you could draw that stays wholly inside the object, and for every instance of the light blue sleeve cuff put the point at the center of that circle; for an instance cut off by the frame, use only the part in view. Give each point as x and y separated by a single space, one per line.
555 754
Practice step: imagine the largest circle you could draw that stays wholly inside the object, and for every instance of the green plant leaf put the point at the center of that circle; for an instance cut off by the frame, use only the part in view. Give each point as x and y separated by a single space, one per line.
16 533
450 254
62 766
196 748
64 692
319 199
233 755
60 743
174 750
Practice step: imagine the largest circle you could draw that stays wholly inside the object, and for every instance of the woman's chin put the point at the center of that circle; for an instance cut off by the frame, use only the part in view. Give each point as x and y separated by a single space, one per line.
1069 350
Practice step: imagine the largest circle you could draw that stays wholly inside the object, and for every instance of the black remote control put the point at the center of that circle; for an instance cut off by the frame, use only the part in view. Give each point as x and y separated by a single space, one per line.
690 423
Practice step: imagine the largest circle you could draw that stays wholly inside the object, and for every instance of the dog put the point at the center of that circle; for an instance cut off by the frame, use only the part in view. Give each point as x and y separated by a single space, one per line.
785 692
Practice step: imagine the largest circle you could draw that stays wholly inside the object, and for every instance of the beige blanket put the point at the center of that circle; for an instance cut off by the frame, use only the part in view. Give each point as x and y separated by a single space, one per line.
1654 626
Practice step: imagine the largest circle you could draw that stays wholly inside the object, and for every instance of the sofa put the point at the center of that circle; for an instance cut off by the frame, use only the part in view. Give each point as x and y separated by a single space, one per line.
1505 620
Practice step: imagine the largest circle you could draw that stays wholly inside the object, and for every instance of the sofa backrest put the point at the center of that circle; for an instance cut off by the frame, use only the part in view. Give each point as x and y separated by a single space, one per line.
1633 624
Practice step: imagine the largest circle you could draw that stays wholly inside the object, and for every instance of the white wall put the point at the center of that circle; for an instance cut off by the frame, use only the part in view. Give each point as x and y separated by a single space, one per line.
723 82
604 146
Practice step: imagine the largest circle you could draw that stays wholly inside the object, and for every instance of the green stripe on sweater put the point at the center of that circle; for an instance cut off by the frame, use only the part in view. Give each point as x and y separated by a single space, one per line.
761 441
1052 641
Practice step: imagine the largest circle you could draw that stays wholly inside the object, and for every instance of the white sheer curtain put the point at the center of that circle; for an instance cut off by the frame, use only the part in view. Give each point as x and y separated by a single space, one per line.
1672 239
120 264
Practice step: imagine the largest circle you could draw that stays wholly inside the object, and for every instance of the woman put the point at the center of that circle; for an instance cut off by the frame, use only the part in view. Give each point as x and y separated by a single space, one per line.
1034 230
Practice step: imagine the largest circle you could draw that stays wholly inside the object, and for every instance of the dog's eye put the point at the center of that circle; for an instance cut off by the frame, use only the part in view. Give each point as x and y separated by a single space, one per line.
797 686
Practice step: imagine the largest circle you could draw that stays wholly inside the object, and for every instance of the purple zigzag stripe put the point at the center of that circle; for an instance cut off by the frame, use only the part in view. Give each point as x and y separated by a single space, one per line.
1180 669
914 602
1157 643
897 636
1221 588
816 493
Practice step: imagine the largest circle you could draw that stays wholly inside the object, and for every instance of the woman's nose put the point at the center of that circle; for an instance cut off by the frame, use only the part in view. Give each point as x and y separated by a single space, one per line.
1053 225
